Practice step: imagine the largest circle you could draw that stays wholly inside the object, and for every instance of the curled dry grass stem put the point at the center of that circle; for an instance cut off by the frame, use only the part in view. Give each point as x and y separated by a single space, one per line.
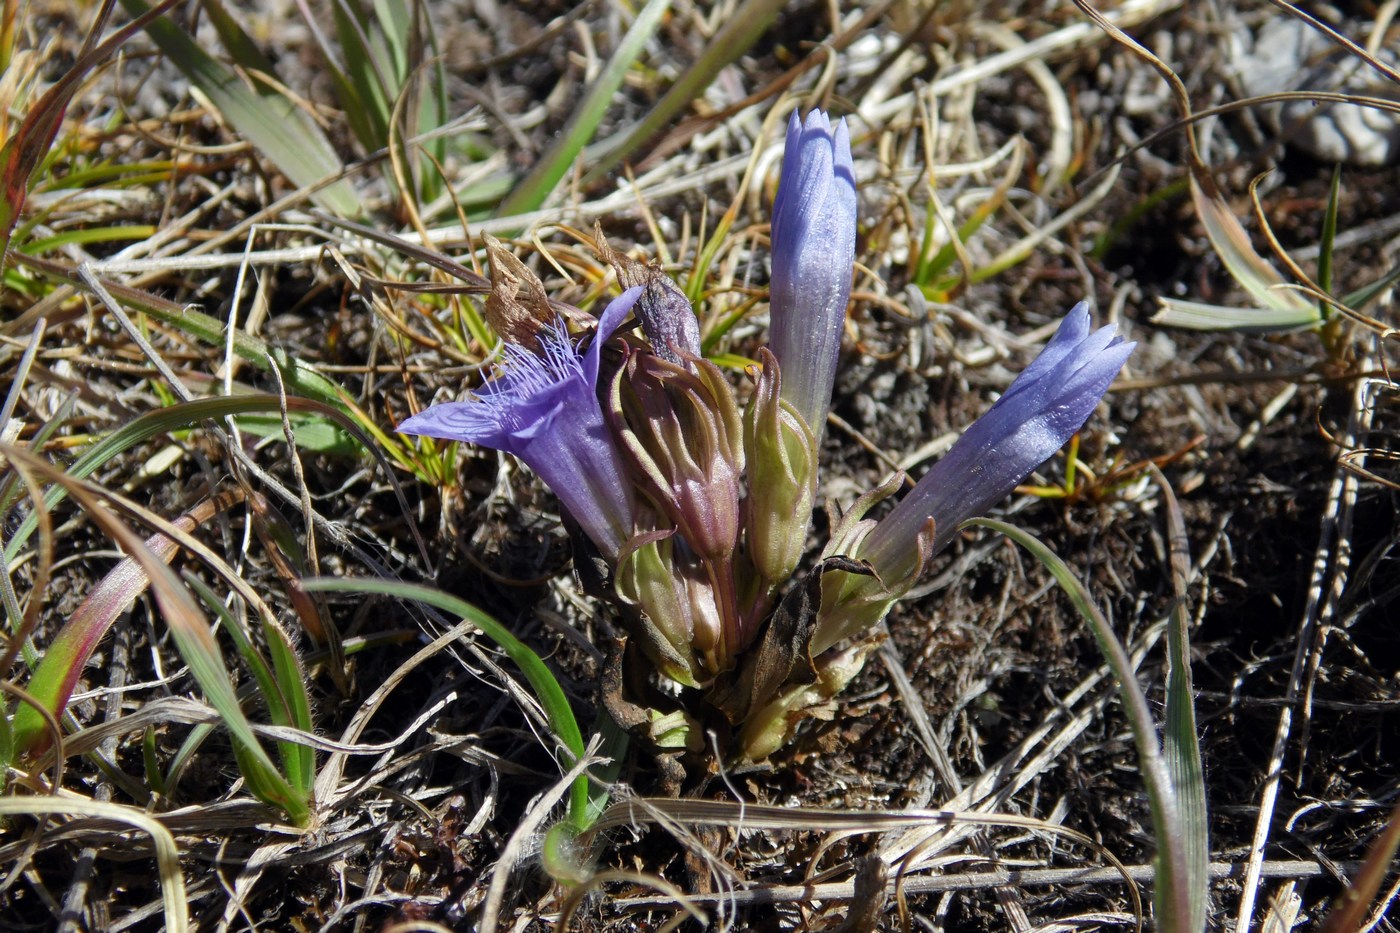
744 817
172 882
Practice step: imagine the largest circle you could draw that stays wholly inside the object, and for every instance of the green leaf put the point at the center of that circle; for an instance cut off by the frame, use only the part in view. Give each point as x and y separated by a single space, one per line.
276 125
1327 240
1181 745
206 662
313 433
1172 897
1198 315
532 192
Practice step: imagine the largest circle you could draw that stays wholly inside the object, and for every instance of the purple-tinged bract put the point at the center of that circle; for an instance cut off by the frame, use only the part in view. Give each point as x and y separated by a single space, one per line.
814 249
543 407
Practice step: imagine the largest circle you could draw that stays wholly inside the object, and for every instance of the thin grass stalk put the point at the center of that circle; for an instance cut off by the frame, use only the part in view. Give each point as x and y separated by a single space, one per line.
1170 895
537 186
546 687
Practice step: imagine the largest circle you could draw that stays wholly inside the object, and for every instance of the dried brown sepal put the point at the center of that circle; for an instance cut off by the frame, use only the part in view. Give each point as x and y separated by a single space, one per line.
780 660
667 318
518 307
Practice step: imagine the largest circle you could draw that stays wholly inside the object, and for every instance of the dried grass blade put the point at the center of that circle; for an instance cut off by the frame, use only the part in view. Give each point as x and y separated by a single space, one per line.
172 882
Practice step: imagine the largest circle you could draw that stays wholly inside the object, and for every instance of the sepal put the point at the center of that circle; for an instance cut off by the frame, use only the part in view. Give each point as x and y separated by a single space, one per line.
782 459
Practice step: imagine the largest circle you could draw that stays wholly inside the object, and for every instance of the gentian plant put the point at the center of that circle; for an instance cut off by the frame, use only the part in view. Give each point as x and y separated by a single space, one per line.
693 512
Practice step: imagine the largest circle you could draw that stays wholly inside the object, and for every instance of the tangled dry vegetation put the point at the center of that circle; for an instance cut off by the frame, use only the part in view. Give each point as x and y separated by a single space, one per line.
214 312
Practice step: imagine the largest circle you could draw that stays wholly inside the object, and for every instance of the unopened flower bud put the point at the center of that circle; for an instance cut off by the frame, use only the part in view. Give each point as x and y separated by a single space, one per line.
670 626
814 251
681 430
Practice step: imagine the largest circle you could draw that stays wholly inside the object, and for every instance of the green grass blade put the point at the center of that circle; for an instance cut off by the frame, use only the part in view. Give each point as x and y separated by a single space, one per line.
537 674
187 625
1198 315
278 691
368 84
206 662
1171 898
292 681
1328 240
1228 238
280 129
1181 740
733 39
532 192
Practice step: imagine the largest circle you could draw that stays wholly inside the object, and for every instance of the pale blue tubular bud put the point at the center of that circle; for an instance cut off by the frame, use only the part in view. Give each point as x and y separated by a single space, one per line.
814 251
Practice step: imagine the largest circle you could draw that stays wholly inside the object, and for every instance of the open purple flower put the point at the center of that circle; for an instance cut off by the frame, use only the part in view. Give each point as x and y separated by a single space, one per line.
543 407
1049 401
814 249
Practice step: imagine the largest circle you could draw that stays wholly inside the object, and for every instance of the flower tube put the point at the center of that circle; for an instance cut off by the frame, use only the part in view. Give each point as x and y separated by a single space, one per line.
1044 406
543 407
814 249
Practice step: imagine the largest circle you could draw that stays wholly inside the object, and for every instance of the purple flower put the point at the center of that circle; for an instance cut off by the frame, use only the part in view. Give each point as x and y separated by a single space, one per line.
543 407
814 250
1045 405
